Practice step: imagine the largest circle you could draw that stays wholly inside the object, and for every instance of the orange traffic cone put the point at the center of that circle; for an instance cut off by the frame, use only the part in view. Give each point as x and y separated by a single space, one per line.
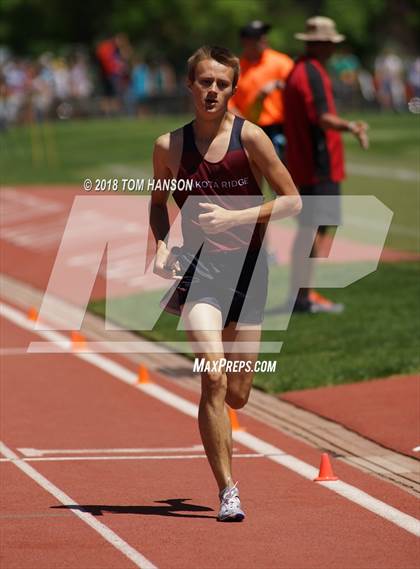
143 375
78 341
325 470
33 314
234 420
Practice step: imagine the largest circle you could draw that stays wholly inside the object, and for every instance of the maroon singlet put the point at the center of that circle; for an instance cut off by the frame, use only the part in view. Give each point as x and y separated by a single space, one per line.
217 182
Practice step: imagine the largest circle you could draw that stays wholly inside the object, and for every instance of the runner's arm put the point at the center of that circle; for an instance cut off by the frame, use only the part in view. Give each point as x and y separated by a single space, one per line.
215 219
262 153
159 218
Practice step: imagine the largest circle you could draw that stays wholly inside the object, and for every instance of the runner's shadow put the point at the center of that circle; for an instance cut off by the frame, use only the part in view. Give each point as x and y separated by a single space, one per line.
176 505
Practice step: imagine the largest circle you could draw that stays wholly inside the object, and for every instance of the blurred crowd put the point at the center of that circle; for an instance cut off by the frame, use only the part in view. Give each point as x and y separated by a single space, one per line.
116 79
42 88
129 82
393 81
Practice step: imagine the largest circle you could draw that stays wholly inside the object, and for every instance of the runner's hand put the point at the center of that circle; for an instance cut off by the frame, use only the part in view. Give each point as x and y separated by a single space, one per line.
166 264
216 219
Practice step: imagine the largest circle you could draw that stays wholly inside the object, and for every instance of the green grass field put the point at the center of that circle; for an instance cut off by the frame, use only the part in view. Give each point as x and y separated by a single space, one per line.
68 152
379 332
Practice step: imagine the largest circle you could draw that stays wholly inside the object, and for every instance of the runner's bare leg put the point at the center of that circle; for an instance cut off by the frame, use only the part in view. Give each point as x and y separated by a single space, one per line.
203 324
239 383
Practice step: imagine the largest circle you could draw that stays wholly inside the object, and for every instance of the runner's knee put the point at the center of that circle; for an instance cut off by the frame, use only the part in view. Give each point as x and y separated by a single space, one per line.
237 398
237 401
214 383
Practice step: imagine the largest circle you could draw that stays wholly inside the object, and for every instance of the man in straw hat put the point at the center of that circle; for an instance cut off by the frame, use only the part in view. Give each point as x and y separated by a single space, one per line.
315 151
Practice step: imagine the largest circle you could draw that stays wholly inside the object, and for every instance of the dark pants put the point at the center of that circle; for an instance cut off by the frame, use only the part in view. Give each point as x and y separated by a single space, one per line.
315 209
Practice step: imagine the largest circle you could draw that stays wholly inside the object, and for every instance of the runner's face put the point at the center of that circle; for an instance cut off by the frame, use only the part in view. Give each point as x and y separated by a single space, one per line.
212 87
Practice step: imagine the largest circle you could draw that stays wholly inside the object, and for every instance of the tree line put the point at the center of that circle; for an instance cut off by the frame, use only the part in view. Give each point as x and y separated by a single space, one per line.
175 28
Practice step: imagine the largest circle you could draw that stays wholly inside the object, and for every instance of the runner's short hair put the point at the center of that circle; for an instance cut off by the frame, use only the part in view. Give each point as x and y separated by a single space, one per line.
219 54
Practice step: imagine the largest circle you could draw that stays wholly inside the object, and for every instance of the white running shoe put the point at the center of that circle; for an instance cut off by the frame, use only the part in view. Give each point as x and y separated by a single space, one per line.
230 506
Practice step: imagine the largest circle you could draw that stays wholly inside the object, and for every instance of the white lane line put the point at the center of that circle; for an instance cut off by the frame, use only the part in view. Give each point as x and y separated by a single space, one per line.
30 452
157 457
352 493
18 206
14 352
383 172
142 347
348 491
111 537
377 226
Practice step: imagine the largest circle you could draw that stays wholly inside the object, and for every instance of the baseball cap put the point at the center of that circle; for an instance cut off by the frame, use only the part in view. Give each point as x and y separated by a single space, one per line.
254 29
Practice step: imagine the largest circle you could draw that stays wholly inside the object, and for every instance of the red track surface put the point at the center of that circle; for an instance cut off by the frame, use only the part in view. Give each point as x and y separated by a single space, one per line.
384 410
165 508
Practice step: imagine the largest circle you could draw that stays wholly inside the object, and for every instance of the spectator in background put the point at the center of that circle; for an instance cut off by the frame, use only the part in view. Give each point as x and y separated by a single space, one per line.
61 77
345 67
162 77
81 84
367 86
315 153
48 87
389 73
16 86
114 56
413 78
43 89
4 52
140 86
264 71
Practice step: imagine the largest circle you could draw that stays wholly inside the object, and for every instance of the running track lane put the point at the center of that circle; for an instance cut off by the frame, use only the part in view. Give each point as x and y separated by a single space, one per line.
165 509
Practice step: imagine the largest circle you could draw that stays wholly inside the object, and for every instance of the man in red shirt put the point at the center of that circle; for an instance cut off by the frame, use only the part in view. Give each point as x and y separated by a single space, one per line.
258 96
114 56
315 156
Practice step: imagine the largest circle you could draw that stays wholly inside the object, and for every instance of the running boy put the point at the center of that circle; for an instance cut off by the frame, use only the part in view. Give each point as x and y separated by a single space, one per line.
224 156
